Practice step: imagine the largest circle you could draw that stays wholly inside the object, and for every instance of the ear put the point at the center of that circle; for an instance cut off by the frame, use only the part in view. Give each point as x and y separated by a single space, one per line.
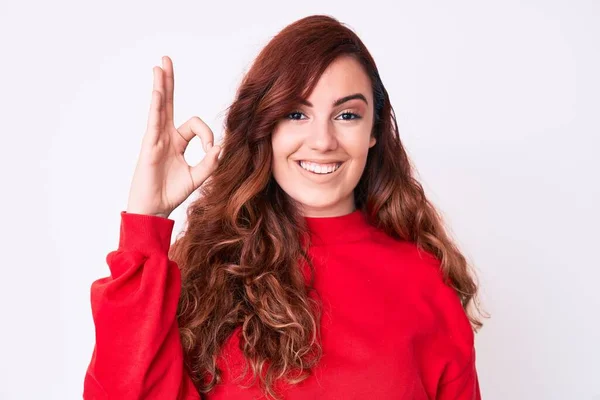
372 141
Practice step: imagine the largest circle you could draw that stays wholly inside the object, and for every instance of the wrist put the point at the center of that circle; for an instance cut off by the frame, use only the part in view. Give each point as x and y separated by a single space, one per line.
148 213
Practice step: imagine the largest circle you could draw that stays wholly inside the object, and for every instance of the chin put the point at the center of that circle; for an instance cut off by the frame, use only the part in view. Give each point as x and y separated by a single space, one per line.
320 206
315 203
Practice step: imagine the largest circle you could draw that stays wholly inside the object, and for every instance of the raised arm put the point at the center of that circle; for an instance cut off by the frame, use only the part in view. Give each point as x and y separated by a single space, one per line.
138 352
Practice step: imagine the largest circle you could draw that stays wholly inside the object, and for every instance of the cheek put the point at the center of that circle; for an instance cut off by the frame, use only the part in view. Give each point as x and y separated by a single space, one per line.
356 146
283 145
282 148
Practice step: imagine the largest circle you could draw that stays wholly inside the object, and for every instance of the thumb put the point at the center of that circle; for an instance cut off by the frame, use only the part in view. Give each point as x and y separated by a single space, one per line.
201 171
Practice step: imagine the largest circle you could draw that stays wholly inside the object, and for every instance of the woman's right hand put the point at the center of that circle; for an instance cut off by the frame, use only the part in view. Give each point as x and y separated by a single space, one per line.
163 179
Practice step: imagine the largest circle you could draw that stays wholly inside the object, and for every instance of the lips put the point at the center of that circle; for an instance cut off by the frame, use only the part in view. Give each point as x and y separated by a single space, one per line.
316 169
330 161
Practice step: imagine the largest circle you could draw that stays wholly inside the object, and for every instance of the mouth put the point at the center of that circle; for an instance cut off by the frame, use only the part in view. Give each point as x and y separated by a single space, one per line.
319 169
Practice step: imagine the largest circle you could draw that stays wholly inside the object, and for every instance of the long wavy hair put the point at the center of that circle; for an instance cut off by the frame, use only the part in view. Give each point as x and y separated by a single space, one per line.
245 241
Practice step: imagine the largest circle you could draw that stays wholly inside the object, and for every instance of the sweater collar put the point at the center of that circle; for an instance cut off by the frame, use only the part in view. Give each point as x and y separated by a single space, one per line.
339 229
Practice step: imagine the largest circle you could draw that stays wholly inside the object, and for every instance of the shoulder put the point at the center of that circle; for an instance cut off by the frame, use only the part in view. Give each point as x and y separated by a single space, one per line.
423 271
411 263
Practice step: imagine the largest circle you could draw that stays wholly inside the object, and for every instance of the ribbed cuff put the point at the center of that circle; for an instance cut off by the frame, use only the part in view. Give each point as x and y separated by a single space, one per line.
145 233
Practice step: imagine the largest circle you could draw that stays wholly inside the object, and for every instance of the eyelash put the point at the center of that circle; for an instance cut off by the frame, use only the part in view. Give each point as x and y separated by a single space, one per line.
347 112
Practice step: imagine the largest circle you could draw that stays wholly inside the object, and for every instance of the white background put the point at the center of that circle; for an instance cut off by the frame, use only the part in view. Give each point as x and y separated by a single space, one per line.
497 102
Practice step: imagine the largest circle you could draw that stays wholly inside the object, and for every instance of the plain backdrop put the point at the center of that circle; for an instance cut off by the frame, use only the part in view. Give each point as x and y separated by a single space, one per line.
497 104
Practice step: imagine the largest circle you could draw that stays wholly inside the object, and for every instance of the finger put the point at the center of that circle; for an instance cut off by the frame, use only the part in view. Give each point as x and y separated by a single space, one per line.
201 171
156 115
158 85
169 79
153 127
196 127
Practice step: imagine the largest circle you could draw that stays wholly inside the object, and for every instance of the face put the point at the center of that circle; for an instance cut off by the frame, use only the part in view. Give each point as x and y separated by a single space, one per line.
320 150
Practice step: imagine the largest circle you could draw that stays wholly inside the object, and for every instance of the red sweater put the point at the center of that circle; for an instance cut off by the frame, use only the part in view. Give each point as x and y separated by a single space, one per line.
391 329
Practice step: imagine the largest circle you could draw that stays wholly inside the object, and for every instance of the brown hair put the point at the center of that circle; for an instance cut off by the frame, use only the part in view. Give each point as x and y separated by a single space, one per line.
242 247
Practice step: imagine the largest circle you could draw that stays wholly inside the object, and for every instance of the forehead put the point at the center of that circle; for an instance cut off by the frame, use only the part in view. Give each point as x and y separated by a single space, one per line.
344 76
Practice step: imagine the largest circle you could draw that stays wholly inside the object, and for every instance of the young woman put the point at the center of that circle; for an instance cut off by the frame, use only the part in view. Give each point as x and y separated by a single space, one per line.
312 266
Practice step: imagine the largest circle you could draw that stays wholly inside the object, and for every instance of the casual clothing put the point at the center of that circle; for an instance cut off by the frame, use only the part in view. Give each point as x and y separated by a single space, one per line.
390 329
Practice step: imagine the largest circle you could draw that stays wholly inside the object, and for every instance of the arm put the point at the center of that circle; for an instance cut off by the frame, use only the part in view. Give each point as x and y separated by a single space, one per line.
459 380
138 352
463 387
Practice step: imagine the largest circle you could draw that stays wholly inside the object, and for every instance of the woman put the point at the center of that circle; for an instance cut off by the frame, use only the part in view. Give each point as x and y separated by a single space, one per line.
312 266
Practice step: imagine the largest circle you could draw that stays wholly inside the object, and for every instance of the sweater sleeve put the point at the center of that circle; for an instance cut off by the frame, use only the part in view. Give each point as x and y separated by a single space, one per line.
463 387
456 341
138 353
459 380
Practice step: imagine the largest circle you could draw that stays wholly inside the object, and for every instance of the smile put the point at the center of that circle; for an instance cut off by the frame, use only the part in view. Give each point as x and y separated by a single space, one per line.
319 169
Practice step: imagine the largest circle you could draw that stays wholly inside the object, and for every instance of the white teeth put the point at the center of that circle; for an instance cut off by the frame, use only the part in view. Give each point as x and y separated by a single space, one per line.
319 168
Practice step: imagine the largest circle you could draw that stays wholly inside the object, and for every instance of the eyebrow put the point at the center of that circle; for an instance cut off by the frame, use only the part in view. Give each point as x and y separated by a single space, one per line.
340 100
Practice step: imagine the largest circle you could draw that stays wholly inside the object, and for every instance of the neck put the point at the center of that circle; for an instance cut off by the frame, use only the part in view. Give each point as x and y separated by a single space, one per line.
349 227
346 207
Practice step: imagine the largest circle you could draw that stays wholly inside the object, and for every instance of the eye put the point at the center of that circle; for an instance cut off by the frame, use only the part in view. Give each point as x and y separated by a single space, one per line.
347 115
294 115
350 116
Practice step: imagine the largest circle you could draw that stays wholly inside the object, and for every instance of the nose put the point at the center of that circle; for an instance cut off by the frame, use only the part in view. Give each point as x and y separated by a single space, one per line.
322 136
